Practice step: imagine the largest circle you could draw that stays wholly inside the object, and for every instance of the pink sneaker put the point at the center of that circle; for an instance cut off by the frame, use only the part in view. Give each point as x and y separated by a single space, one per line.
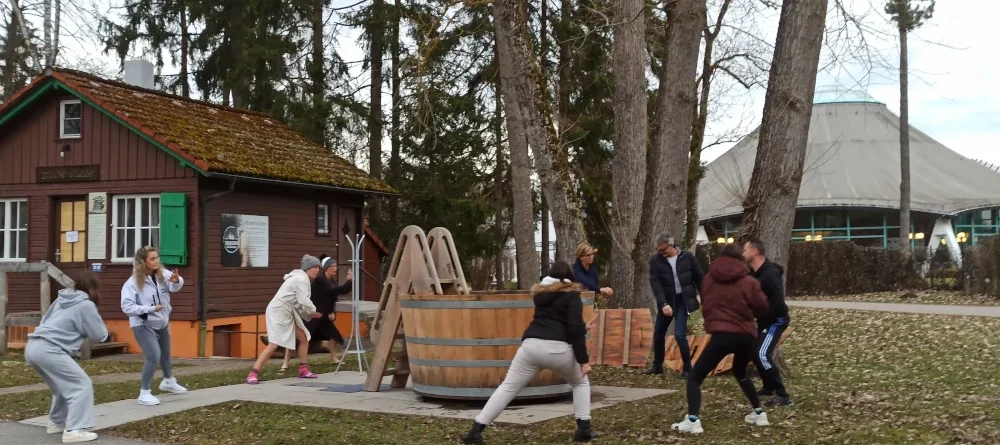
252 379
305 373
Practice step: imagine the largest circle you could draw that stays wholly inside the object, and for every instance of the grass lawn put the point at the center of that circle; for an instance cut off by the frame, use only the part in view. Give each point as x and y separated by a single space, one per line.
858 378
918 297
36 403
15 372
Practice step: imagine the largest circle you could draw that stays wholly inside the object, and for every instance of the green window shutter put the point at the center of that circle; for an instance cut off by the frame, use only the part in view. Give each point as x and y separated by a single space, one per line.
173 229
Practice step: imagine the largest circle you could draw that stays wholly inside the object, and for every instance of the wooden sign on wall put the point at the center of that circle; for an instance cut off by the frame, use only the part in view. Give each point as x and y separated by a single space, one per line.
72 173
621 337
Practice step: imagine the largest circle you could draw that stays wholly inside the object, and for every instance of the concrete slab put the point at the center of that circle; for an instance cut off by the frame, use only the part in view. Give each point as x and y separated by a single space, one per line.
318 393
22 434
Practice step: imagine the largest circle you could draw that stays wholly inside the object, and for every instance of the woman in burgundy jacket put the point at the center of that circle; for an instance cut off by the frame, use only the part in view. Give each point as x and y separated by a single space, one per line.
731 300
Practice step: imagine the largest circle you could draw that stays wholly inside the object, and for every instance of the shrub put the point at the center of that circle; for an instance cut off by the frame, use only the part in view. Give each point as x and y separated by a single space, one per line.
981 268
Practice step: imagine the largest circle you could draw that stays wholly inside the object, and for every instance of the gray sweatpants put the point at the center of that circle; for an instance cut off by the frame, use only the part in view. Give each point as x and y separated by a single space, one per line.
72 390
534 355
155 345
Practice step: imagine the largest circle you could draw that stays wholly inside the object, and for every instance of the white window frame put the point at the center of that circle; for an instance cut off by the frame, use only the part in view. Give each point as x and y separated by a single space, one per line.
323 208
10 231
62 120
138 225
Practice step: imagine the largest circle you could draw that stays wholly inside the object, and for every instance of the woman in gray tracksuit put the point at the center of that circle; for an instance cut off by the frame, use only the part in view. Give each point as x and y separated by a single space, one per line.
146 301
70 319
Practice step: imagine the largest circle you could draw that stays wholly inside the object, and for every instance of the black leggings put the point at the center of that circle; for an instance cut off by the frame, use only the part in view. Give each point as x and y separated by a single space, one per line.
742 346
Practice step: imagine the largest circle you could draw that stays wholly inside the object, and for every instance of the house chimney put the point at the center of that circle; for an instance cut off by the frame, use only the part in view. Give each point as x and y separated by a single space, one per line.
139 73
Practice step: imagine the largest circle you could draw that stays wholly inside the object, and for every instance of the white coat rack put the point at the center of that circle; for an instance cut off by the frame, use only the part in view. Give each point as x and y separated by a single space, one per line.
354 345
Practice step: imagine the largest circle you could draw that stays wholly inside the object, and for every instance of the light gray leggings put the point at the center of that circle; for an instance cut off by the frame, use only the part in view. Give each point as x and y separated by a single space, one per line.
155 345
72 390
534 355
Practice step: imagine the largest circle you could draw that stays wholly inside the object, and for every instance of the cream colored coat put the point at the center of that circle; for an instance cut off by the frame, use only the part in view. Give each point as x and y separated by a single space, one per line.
288 310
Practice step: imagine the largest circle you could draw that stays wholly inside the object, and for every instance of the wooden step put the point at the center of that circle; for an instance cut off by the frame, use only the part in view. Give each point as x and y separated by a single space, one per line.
110 346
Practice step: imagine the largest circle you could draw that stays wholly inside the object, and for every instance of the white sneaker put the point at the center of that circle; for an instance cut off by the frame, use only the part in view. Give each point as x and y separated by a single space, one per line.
687 426
757 419
171 385
55 428
77 436
146 398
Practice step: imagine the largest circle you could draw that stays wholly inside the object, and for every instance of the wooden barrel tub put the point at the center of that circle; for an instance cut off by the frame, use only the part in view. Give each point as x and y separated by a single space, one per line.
460 346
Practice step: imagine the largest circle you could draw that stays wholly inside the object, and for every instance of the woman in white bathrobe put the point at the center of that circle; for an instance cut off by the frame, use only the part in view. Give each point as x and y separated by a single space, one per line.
285 318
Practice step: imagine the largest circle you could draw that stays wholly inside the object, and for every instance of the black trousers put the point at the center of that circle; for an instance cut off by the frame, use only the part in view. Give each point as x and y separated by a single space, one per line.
764 354
719 346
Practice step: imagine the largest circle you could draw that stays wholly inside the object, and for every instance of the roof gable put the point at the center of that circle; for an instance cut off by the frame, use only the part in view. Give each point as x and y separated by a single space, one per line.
852 159
204 136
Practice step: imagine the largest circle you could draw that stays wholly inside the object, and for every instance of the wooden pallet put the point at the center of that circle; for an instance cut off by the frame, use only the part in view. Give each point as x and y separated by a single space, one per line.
420 264
697 343
621 337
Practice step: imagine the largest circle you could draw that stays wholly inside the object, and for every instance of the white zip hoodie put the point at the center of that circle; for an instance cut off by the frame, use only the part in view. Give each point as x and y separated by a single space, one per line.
135 303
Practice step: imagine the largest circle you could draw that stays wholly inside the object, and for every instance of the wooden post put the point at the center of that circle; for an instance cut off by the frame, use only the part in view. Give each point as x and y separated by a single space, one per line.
45 297
3 313
85 349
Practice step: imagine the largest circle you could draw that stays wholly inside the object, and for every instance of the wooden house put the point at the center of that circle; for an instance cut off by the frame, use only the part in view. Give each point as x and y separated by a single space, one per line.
92 169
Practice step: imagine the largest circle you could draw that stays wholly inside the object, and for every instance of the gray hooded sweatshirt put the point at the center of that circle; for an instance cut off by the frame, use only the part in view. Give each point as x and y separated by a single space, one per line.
70 319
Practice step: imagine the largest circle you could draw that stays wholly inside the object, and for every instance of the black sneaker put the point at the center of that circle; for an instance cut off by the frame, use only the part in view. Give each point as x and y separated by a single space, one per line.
653 371
475 435
779 400
764 392
583 431
684 375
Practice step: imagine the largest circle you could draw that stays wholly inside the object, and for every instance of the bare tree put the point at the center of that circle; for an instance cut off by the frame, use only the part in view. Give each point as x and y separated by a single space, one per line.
769 209
525 91
908 15
523 224
631 126
667 160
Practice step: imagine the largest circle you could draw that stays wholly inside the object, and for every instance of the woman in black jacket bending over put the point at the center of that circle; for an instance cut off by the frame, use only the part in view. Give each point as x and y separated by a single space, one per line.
556 339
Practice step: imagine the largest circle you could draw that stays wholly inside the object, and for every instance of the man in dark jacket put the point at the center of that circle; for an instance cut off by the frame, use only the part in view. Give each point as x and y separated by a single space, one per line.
772 325
675 277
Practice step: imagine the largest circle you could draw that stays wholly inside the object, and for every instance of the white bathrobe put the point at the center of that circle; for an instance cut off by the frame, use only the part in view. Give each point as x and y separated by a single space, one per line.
287 310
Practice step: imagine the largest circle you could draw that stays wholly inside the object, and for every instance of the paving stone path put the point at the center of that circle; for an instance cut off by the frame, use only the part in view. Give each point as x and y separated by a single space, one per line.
938 309
21 434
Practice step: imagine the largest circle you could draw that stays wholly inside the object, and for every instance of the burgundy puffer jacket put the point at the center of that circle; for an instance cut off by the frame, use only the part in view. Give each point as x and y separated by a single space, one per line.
731 299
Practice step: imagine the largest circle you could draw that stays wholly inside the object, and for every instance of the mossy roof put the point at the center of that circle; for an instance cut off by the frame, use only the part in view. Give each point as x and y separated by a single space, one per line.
221 139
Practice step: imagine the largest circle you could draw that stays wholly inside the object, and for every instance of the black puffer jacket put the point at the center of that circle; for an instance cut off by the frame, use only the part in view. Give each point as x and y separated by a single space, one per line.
770 276
559 316
661 278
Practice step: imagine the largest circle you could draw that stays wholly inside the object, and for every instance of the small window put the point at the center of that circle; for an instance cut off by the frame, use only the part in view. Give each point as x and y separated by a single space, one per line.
322 219
70 119
136 224
13 230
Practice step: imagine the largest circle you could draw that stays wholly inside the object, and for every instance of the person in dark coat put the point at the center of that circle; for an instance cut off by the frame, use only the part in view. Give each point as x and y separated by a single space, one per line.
731 299
585 271
324 295
772 325
675 277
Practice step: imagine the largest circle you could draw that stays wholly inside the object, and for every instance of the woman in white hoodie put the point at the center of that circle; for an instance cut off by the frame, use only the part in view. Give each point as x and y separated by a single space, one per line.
69 320
146 301
285 316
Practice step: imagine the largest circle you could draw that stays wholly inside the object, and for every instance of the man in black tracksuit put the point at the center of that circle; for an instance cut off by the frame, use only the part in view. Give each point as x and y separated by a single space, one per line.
771 326
675 277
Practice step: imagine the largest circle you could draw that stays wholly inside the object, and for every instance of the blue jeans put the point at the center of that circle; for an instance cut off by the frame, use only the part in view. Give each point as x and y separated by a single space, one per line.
680 334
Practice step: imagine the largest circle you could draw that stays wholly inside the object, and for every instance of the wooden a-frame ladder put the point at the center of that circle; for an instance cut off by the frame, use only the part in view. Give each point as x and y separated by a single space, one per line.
421 264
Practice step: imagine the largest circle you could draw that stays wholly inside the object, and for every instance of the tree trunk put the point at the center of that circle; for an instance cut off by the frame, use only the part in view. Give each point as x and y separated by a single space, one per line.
377 28
523 220
23 27
769 209
47 32
394 131
525 92
631 126
55 32
544 57
185 51
317 76
667 161
498 180
546 238
904 144
695 170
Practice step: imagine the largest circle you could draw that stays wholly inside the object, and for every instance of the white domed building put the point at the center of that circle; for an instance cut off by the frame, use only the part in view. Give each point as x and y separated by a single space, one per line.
850 183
